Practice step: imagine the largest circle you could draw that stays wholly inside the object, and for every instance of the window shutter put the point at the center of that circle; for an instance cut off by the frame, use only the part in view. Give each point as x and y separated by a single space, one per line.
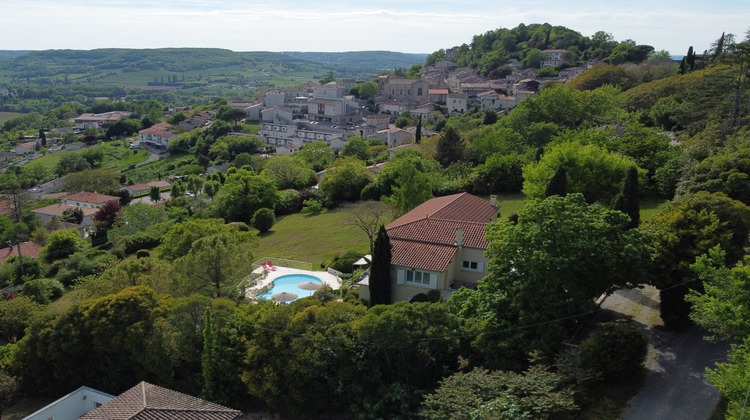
433 280
400 274
480 267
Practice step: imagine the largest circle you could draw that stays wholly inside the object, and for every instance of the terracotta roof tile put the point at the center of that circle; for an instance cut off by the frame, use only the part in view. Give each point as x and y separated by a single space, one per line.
425 256
28 249
458 207
90 197
441 232
146 401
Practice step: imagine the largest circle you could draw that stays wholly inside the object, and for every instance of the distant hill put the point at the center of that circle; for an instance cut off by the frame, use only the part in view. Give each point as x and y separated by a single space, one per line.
189 67
359 62
5 54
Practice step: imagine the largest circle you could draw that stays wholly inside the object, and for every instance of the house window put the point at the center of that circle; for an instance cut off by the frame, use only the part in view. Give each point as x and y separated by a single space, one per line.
416 278
472 265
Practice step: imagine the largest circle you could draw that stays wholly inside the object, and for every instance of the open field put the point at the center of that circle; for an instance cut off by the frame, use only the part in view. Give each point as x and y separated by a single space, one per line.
5 116
116 157
313 239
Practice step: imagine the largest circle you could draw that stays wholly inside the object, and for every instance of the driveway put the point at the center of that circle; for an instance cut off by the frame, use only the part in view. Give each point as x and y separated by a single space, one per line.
676 387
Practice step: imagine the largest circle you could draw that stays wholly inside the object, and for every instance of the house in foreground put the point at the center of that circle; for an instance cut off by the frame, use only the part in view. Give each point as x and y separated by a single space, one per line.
144 401
440 245
72 406
147 401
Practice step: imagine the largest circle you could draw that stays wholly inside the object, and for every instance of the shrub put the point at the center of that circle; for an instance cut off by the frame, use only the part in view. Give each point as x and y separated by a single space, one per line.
290 201
345 263
311 207
140 240
616 350
42 291
263 219
142 253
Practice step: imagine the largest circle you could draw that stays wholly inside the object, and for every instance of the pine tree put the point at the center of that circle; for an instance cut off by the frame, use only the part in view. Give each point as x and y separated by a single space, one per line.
380 269
628 201
450 147
558 184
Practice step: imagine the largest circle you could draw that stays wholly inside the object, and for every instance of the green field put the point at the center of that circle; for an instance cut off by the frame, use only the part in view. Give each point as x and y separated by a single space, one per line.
313 239
5 116
116 157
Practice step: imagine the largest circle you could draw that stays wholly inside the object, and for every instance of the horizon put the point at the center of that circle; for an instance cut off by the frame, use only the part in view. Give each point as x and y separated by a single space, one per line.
415 27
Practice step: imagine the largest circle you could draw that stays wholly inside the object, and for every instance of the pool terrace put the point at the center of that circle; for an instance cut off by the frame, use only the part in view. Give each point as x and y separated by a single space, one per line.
261 279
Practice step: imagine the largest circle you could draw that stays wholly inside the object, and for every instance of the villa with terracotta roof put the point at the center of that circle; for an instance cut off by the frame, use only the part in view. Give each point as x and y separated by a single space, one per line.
439 245
157 135
28 250
88 199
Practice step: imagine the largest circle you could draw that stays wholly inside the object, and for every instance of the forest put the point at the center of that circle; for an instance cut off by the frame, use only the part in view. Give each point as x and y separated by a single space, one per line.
157 299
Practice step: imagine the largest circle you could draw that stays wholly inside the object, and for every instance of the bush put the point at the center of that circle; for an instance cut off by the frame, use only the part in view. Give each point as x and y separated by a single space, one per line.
311 207
142 253
263 219
140 240
290 201
42 291
345 263
616 350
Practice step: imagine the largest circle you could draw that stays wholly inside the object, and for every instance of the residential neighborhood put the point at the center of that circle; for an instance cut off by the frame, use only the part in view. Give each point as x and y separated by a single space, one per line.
534 223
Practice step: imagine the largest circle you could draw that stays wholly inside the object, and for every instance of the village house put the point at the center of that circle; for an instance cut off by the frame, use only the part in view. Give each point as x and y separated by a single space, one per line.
88 199
89 120
157 135
145 188
554 58
28 250
440 245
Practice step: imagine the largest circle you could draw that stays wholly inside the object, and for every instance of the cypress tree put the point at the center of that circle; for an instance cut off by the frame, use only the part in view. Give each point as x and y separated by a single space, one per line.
418 133
690 59
208 359
558 184
628 201
380 270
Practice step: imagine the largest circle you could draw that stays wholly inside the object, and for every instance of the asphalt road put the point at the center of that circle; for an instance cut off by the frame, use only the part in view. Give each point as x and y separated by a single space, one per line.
676 387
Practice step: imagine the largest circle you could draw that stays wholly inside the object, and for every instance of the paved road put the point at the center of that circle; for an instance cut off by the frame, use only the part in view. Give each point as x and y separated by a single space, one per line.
676 387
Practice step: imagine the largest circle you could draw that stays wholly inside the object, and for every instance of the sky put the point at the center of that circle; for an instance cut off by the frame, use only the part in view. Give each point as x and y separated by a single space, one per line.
413 26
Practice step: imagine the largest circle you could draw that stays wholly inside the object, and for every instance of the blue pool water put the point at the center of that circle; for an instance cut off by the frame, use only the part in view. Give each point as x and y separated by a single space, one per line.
288 283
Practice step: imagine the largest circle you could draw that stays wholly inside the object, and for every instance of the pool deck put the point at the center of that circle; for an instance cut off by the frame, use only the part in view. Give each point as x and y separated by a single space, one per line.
327 278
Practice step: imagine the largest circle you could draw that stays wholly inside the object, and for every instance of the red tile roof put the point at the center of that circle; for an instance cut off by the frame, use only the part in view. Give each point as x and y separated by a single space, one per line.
431 257
425 237
28 249
59 208
458 207
89 197
161 130
146 401
441 232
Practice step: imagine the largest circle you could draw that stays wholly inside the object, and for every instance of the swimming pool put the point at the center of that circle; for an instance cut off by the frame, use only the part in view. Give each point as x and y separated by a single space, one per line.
290 284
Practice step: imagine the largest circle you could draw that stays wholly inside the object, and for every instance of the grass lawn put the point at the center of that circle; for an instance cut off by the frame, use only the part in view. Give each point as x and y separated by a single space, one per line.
5 116
313 239
649 206
509 203
116 157
159 169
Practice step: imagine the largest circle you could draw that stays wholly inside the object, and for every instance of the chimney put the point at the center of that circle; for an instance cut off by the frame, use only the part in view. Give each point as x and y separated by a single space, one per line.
493 200
459 237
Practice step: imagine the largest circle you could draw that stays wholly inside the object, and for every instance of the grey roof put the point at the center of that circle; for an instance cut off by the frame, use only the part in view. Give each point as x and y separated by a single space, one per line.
146 401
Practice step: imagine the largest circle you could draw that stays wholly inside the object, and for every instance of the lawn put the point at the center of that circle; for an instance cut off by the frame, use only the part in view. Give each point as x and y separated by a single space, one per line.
511 203
159 169
116 157
5 116
313 239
